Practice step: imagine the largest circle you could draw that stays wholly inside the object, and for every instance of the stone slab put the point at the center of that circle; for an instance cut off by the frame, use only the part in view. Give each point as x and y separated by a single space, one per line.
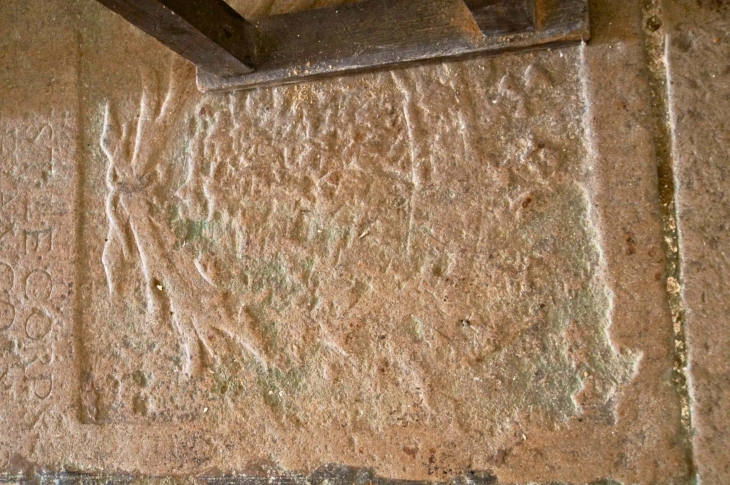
438 273
698 57
38 232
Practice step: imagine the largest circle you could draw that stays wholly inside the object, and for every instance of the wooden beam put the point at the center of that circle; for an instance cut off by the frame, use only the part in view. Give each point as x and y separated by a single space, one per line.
497 17
208 33
232 53
376 34
368 33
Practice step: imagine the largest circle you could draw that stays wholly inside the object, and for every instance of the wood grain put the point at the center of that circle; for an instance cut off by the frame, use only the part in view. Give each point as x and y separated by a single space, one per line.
233 53
208 33
377 34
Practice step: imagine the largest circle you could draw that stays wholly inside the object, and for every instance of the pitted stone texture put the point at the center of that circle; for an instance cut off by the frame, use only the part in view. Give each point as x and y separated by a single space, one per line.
407 256
699 66
38 136
422 271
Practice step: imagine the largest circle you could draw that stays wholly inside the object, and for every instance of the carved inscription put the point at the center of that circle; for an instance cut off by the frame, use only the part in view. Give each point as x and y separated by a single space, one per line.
32 293
368 253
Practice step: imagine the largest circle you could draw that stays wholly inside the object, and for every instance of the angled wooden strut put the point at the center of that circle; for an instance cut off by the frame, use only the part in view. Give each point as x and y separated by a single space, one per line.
234 53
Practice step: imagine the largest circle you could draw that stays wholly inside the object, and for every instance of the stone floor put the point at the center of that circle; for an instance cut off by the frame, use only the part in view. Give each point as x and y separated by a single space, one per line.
510 270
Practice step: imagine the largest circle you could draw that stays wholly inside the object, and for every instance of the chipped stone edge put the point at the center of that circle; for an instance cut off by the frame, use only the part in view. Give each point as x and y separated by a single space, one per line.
326 475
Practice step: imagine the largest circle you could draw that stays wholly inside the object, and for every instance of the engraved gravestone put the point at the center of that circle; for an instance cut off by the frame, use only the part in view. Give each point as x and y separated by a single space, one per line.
418 271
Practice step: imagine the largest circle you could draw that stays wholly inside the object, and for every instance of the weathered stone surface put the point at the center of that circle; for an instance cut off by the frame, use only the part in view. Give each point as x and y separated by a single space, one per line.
425 272
38 237
699 67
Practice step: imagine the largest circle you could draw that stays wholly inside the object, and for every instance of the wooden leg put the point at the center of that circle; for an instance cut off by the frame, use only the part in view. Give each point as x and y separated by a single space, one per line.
208 33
